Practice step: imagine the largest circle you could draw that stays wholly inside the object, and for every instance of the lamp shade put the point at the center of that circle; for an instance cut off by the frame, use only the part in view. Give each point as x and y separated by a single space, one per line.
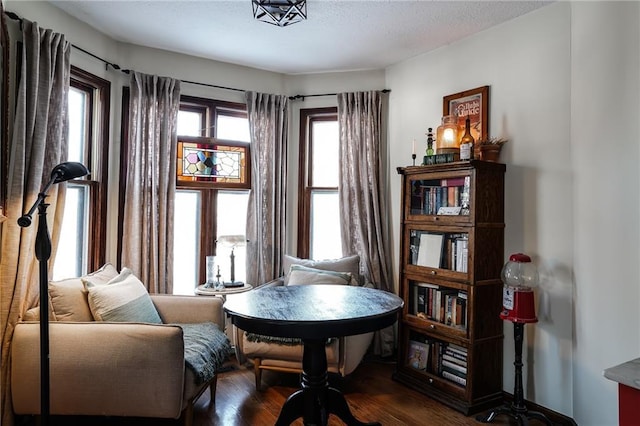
232 240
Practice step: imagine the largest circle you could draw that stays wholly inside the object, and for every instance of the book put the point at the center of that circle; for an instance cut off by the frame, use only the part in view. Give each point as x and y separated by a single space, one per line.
422 295
456 379
462 254
460 317
418 355
457 349
451 358
453 366
455 355
430 250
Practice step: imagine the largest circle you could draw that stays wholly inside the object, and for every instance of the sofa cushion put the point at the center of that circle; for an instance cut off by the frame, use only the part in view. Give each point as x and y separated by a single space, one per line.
344 264
68 297
123 299
301 275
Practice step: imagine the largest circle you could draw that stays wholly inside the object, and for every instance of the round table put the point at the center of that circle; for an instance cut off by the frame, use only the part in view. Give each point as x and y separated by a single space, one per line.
314 313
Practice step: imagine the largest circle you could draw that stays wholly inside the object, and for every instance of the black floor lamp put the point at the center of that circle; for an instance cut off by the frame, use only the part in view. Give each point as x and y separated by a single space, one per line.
60 173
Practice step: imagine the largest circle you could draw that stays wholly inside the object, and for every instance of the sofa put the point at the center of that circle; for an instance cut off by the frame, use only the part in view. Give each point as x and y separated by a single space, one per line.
107 367
344 354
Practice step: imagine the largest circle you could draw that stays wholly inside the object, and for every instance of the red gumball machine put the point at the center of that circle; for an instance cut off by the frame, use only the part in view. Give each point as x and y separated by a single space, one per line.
519 276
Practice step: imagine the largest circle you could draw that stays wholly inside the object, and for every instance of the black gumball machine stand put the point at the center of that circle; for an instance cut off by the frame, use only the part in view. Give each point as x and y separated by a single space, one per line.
519 276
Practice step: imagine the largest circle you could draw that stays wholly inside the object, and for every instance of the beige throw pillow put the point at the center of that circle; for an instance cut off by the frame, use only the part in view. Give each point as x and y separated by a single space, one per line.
302 275
69 298
123 299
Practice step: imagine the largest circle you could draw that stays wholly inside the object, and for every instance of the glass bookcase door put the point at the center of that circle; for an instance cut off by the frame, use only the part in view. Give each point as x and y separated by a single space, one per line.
446 198
441 308
439 252
437 362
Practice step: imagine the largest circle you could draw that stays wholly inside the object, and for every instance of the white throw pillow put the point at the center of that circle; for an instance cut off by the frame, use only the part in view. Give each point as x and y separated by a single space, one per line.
68 297
123 299
345 264
302 275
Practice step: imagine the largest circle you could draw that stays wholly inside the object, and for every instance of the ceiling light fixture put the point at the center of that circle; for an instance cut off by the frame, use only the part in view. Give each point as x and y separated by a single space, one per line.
280 12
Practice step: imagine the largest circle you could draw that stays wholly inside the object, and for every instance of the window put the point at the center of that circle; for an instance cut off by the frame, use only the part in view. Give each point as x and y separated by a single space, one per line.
319 215
203 211
80 250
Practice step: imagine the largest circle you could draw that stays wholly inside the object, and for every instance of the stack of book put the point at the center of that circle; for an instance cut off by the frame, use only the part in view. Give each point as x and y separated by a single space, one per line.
446 193
453 363
445 305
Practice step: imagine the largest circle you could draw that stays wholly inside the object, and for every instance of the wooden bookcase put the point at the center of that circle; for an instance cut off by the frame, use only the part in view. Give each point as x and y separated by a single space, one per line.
451 255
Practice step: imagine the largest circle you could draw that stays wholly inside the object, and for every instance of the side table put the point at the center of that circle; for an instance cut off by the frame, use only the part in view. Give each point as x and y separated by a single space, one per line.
223 292
201 290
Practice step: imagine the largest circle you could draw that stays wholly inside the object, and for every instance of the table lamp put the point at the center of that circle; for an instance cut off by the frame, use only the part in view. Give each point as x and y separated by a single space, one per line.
519 276
232 241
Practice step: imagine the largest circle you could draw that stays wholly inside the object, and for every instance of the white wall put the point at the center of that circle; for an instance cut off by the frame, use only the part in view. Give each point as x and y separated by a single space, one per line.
605 88
564 89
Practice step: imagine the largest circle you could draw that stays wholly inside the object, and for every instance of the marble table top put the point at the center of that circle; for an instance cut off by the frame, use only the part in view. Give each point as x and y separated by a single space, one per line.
627 373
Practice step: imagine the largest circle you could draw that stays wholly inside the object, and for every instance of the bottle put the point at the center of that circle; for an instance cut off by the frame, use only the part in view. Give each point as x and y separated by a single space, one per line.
429 141
466 142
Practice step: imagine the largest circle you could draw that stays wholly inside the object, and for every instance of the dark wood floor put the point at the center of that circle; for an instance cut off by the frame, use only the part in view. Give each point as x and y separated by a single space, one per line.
370 391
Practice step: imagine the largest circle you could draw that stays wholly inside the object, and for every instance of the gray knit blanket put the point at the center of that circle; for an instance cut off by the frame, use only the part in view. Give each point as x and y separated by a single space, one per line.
206 348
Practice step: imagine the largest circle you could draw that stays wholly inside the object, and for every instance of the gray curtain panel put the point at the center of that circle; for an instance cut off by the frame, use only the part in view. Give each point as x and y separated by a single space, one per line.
38 144
266 214
363 193
147 238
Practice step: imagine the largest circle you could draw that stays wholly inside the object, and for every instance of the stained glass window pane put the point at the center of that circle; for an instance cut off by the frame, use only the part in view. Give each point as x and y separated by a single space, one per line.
212 162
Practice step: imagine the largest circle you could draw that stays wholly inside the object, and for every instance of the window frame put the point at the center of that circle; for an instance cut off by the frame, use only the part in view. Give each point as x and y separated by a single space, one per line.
305 163
97 160
211 110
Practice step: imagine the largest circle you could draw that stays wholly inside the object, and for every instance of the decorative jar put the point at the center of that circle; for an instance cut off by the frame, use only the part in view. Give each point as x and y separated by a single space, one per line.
447 138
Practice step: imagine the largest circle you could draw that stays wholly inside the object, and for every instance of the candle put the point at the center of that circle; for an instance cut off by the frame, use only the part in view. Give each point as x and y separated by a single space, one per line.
414 147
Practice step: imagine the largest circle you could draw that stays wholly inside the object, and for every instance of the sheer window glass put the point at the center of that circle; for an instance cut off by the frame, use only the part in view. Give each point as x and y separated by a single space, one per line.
186 241
71 260
325 154
78 101
233 128
231 220
319 215
189 123
82 244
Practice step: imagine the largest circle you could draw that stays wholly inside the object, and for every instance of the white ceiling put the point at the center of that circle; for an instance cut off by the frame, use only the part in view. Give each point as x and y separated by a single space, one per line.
338 35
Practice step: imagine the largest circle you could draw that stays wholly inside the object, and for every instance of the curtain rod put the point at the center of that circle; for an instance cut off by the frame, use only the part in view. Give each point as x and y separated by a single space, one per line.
117 67
296 97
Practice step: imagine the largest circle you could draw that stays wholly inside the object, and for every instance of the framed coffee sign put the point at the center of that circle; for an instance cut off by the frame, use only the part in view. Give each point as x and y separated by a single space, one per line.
473 103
